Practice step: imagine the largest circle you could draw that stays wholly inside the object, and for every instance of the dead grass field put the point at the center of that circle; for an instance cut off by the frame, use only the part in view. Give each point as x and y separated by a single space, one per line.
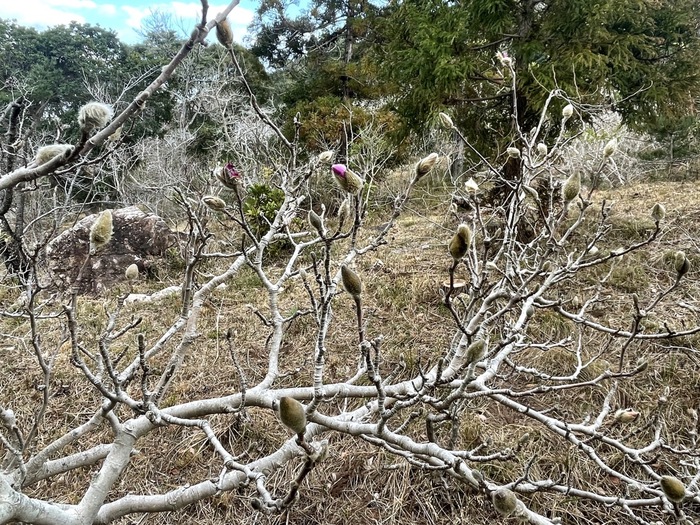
358 484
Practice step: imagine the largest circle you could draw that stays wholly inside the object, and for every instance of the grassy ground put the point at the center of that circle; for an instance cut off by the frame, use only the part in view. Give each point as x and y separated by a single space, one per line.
358 484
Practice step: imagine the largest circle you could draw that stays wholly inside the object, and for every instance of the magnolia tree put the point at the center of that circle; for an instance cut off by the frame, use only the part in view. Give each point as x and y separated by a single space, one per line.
508 267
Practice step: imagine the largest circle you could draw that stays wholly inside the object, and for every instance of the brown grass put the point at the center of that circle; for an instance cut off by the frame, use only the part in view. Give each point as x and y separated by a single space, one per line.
358 484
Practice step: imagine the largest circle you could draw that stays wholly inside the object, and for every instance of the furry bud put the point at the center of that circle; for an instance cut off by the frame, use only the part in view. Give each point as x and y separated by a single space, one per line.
542 149
673 488
426 164
292 414
625 415
446 121
224 34
347 179
214 203
93 116
475 352
504 501
658 212
459 245
610 148
471 186
101 231
513 153
681 263
46 153
132 272
326 157
316 222
567 112
571 187
7 418
344 210
351 281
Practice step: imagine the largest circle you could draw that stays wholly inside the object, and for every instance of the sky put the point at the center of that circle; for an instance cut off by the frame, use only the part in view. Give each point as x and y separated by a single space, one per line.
123 16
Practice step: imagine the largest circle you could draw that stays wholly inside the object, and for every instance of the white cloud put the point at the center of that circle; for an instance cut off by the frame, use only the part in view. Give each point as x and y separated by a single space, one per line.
40 13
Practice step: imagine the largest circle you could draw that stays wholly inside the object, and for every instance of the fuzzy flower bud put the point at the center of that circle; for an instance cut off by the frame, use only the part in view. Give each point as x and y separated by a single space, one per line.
542 149
610 148
292 414
567 112
316 222
571 187
347 179
101 231
446 121
351 281
504 501
132 272
658 212
7 418
513 153
673 488
94 116
224 34
46 153
326 157
459 245
344 210
475 352
426 164
681 263
214 203
625 415
471 186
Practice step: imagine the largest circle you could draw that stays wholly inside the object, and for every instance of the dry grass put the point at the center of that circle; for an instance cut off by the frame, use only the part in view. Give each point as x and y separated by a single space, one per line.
358 484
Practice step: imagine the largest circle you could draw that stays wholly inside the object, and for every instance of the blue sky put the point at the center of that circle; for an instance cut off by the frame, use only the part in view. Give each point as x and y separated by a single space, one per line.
123 16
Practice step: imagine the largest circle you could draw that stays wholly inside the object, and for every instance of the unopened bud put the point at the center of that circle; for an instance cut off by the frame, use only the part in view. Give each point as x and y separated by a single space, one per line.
132 272
446 121
214 203
316 222
292 414
426 164
101 231
567 112
610 147
504 501
658 212
459 245
625 415
46 153
326 157
673 488
93 116
351 281
475 352
344 210
681 263
471 186
542 149
513 153
571 187
224 34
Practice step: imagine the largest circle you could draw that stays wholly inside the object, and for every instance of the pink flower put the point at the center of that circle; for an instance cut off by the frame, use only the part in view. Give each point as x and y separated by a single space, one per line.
231 171
339 170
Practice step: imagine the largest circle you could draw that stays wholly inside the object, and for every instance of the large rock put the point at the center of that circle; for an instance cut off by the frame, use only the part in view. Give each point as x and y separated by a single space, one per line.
137 238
